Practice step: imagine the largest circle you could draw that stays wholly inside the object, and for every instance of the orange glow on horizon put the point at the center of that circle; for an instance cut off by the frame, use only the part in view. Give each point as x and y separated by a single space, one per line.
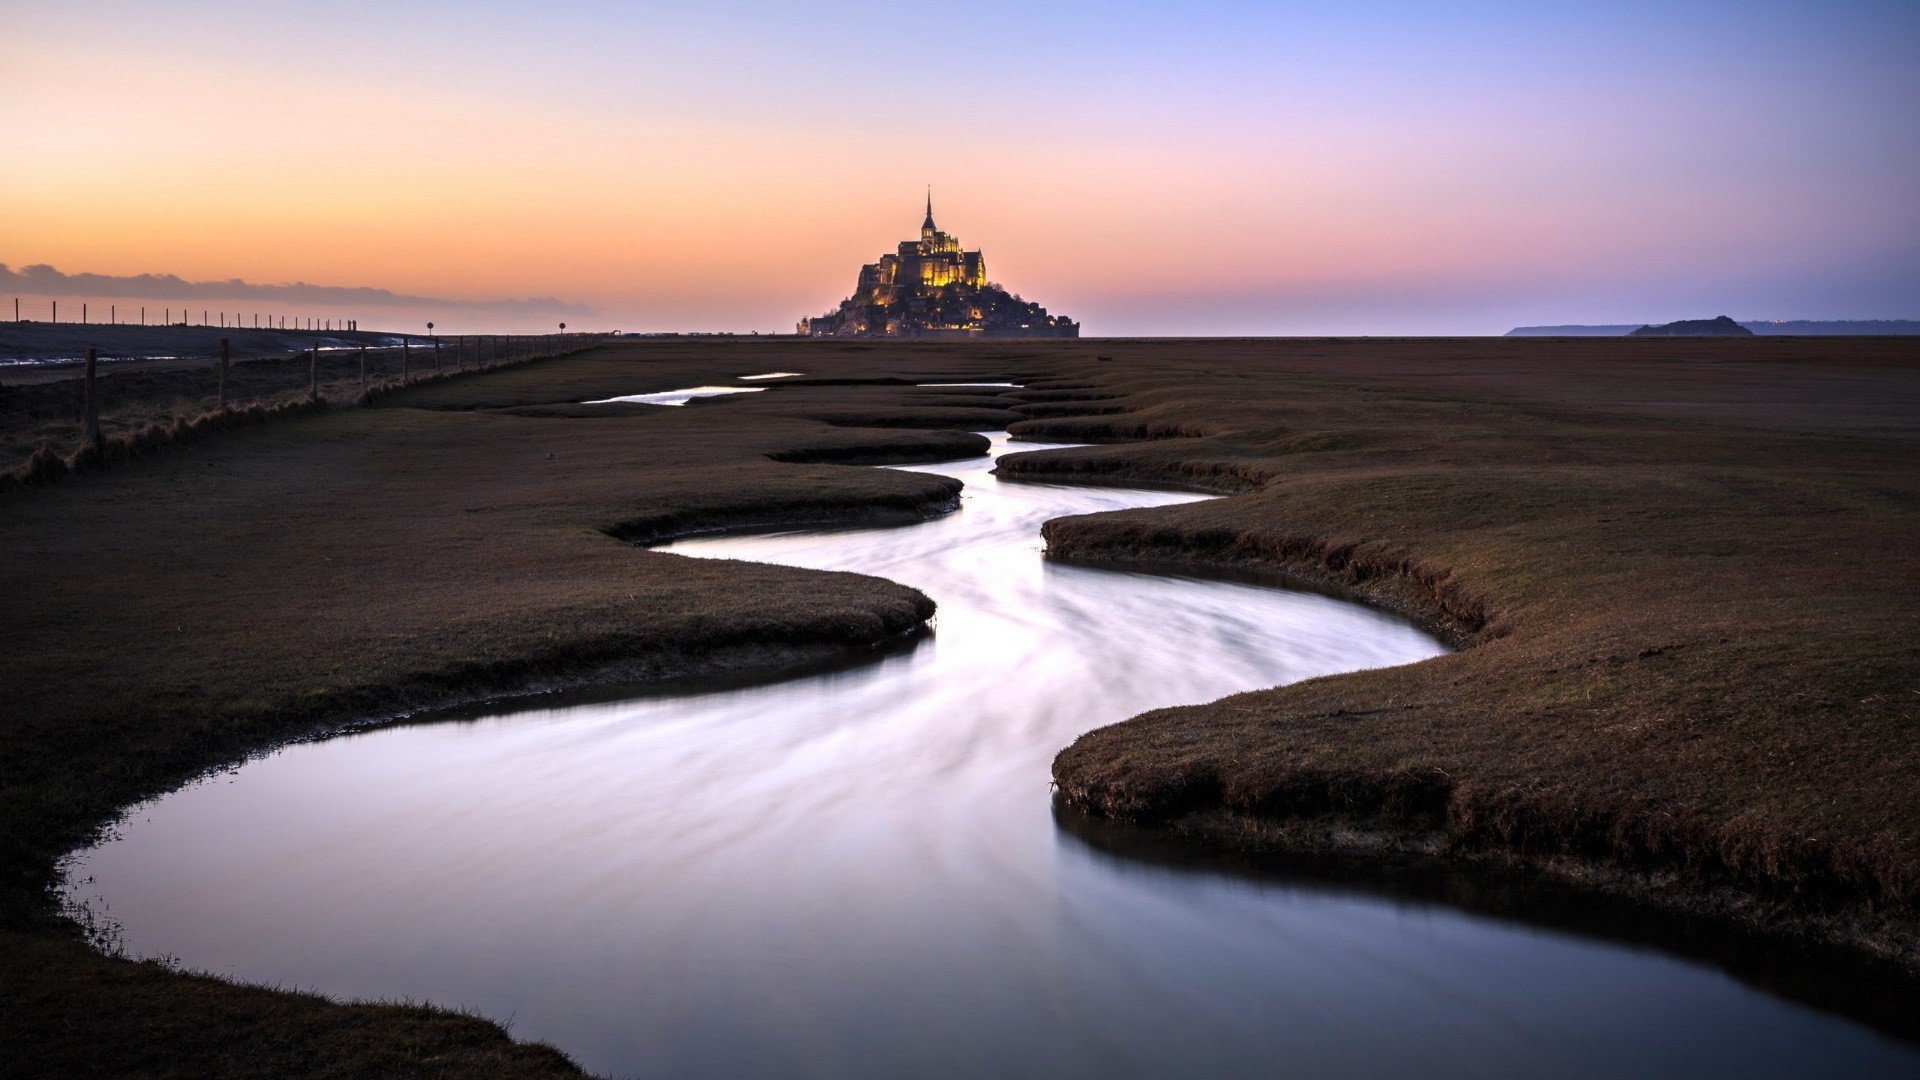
425 180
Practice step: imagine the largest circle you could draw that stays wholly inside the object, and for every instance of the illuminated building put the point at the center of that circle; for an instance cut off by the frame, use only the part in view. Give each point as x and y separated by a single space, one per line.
931 288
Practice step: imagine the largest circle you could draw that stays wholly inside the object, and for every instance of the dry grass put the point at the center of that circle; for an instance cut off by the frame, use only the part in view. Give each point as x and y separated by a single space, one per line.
148 406
184 609
1686 571
72 1013
149 416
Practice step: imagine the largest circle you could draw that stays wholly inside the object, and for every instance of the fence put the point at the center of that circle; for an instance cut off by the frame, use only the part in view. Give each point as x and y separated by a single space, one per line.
40 309
51 428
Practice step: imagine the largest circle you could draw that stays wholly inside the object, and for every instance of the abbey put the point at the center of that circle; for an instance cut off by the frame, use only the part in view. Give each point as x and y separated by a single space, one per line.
930 288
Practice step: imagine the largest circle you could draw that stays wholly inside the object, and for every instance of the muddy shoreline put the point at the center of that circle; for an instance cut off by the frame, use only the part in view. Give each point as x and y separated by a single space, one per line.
1231 772
1887 944
476 548
1837 965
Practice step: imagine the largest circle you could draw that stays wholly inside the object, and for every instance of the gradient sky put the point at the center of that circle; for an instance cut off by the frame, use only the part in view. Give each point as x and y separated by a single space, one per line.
1227 168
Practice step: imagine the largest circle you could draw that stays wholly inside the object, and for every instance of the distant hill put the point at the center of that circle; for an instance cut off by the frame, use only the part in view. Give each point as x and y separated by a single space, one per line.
1720 326
1808 327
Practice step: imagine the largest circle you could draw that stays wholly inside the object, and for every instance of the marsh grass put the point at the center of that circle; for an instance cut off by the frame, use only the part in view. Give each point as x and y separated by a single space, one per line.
146 410
184 609
1684 573
1685 576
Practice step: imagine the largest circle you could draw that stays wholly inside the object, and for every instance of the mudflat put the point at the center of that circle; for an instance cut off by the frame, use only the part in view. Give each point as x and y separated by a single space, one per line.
1682 573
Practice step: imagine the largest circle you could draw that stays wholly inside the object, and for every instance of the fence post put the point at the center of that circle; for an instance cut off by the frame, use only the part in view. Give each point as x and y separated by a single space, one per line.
56 313
224 356
406 359
436 352
313 373
90 433
363 366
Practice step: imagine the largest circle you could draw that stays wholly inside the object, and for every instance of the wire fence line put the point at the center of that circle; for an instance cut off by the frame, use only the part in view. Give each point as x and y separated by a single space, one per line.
39 309
104 412
122 311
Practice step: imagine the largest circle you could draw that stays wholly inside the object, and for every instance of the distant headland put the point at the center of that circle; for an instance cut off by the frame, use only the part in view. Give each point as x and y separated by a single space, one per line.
930 288
1722 326
1788 327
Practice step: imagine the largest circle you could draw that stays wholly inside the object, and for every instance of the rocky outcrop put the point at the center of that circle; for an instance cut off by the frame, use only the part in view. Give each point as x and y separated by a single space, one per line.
1718 327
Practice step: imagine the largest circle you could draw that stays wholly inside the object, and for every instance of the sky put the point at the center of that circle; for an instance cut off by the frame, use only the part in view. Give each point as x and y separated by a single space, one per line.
1146 168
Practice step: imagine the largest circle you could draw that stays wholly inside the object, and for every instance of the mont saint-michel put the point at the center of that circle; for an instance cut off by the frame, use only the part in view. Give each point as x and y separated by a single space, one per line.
930 288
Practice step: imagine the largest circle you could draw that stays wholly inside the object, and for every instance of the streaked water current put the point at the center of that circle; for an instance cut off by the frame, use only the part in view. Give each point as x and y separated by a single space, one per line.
858 873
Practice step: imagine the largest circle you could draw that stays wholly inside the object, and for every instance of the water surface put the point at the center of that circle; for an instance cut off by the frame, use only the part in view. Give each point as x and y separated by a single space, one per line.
678 397
857 873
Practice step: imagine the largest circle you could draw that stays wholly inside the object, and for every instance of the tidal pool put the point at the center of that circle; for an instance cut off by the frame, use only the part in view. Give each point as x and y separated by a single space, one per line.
858 873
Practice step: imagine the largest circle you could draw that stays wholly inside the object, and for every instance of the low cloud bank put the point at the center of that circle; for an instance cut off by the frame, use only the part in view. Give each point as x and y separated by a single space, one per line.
45 280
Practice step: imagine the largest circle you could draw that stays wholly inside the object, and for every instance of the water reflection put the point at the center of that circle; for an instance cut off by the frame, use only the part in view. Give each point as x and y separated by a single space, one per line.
678 397
858 872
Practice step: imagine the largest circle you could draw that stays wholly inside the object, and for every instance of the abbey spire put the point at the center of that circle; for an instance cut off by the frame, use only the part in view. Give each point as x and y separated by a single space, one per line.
931 288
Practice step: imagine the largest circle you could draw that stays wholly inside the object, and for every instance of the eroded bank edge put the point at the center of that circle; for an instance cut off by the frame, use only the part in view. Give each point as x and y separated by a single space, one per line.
426 695
1401 815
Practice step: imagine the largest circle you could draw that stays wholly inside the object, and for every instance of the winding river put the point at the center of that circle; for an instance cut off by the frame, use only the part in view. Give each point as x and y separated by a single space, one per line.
858 873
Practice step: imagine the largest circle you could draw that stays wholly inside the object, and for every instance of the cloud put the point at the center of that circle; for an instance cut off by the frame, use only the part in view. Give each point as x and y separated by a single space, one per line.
44 280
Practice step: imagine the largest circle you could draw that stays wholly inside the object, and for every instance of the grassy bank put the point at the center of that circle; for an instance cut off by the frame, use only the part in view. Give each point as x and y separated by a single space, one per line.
185 609
148 405
1684 573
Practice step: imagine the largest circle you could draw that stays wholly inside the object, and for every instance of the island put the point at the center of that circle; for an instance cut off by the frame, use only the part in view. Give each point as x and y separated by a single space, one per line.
1718 327
929 288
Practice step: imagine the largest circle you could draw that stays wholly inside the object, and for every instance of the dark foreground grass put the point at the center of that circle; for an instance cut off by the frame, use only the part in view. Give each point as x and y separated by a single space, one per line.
70 1013
186 608
41 416
1684 573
